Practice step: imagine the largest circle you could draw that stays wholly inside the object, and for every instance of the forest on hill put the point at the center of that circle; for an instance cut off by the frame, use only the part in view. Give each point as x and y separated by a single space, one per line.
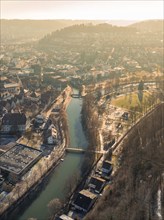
150 25
104 43
22 30
137 191
144 33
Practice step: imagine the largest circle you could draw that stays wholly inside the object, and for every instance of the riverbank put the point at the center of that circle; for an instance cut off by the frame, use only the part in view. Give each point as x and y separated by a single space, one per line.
135 151
79 186
44 167
58 181
33 188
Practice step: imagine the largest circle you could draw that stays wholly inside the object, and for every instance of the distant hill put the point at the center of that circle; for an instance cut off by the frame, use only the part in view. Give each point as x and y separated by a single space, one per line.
150 25
27 30
121 22
91 44
101 35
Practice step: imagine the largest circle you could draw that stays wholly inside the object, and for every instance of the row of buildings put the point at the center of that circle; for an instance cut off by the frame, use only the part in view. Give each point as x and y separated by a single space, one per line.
84 200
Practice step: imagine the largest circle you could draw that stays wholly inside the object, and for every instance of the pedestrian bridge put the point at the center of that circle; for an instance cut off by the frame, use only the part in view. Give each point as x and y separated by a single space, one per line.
75 96
81 151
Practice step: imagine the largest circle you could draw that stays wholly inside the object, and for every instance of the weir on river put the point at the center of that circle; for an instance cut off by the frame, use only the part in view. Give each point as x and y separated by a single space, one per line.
57 183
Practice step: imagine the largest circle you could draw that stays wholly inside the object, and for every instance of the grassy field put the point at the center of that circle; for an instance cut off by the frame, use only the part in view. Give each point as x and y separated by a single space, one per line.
129 100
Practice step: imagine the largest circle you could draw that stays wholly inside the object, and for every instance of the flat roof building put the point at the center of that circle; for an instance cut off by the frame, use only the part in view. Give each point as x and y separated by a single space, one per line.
84 200
64 217
18 160
96 184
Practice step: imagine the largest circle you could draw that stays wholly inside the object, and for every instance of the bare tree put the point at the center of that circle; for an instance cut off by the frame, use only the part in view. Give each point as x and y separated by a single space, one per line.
27 183
54 206
32 218
17 190
40 168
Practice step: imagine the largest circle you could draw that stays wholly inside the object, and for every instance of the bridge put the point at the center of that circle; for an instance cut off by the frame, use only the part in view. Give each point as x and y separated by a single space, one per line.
81 151
76 96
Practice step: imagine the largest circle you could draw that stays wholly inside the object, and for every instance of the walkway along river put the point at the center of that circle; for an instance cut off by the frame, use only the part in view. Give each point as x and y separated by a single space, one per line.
56 185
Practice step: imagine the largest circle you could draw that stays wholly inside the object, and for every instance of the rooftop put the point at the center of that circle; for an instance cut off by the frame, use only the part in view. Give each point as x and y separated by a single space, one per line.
107 165
18 158
6 147
14 119
96 183
84 199
87 193
65 217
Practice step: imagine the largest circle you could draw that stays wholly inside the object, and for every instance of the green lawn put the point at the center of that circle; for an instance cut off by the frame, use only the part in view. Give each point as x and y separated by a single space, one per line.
129 100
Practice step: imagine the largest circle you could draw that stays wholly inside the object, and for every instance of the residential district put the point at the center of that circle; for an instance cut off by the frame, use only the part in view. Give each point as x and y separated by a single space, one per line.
36 88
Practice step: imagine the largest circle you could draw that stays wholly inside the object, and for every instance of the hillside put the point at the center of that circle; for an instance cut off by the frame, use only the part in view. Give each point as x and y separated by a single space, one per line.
137 191
22 30
100 36
104 43
150 25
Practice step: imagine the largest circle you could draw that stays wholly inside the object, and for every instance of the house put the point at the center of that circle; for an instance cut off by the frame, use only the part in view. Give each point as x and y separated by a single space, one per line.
3 110
125 116
13 123
106 167
9 90
84 200
38 121
51 135
34 96
96 184
56 110
64 217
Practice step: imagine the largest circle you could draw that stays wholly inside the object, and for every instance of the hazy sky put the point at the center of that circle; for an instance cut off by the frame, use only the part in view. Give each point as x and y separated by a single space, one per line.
107 10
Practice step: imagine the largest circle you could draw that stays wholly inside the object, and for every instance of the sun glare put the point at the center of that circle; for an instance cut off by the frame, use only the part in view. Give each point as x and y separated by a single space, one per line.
136 10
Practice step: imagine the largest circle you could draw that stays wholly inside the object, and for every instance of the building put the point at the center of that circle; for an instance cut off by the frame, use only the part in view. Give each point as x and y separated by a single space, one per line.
107 167
51 135
9 90
40 119
10 87
64 217
13 123
3 110
96 184
6 147
17 161
125 116
35 97
56 110
84 200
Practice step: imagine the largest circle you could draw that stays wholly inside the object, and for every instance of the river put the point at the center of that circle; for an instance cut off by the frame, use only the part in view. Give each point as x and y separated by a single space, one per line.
57 183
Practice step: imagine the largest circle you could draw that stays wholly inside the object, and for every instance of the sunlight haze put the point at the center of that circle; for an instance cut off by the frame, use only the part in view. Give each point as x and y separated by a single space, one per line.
91 10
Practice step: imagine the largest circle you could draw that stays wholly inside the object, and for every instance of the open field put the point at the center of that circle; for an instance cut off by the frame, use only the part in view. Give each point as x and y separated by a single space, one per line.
130 100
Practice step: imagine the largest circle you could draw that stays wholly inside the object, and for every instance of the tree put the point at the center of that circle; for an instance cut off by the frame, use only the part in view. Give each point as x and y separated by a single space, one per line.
40 167
18 189
54 206
32 218
27 183
71 184
140 91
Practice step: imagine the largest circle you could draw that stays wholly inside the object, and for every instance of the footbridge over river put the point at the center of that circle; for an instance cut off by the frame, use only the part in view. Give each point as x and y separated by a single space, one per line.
76 96
79 150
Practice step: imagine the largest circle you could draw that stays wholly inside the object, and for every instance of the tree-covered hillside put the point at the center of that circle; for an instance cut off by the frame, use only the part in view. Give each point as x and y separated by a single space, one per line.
22 30
104 43
137 192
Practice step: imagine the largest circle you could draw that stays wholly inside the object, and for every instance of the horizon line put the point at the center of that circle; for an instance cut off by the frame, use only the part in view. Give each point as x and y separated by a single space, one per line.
66 19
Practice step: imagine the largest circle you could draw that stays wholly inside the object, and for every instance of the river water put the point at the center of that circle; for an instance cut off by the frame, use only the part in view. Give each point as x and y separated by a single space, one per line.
59 179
